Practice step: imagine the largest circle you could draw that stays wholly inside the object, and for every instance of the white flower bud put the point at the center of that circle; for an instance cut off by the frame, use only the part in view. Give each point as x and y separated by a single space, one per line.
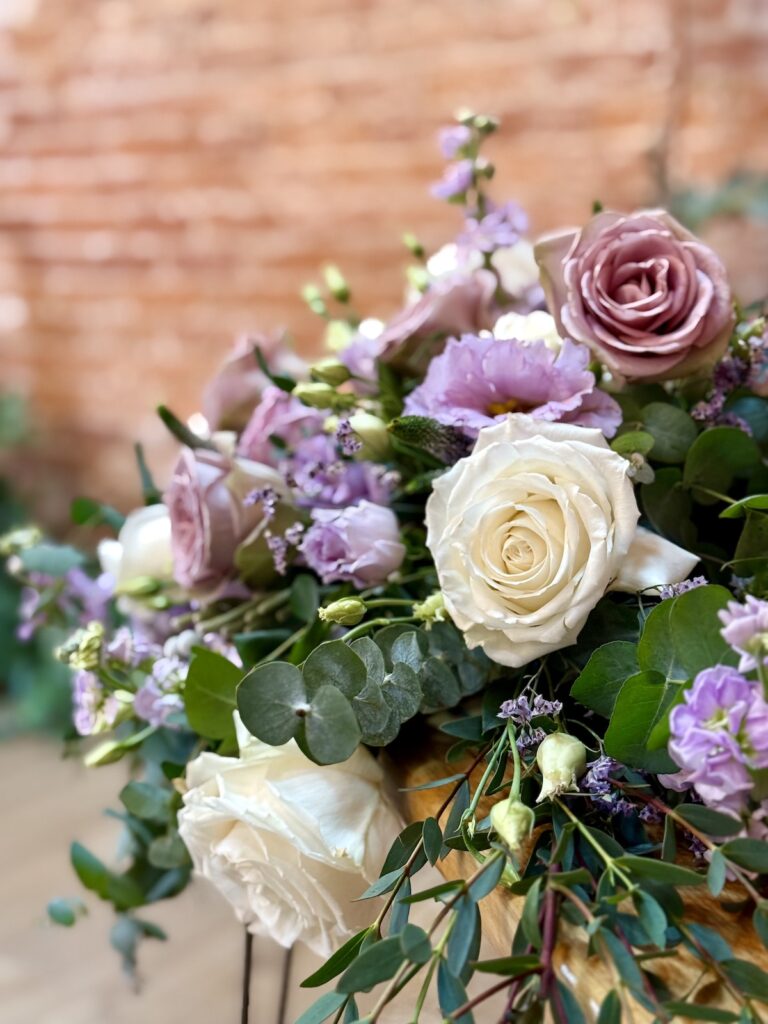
562 760
513 820
347 611
432 610
329 371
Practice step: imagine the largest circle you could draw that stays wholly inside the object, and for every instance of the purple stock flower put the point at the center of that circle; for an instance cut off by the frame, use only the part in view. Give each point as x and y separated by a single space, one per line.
479 380
453 138
501 227
278 415
456 179
159 698
93 708
359 544
743 626
718 734
675 589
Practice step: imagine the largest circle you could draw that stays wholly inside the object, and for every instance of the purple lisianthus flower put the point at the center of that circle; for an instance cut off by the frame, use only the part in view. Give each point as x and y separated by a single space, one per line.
478 381
718 734
453 138
360 544
501 227
456 179
279 415
743 625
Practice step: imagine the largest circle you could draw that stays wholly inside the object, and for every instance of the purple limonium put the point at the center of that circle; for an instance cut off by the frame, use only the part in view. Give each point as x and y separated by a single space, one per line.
521 710
479 380
347 439
321 479
501 227
359 544
745 629
278 416
718 734
453 139
676 589
456 180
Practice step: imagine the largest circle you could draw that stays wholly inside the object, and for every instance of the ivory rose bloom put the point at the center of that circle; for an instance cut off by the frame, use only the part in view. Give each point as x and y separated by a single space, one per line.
142 548
289 844
530 530
648 297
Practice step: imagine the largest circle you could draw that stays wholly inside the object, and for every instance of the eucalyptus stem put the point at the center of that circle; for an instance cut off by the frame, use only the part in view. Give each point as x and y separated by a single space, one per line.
363 628
607 859
286 645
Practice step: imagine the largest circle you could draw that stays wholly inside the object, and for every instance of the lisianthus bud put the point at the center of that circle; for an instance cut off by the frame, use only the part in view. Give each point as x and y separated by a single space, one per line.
322 396
83 649
347 611
432 610
373 434
336 283
329 371
513 820
19 539
562 759
338 335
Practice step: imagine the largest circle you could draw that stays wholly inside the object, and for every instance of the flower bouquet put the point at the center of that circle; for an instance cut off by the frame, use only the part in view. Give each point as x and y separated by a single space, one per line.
527 514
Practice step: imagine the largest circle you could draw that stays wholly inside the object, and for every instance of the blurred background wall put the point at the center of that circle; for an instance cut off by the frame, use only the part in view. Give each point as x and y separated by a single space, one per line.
172 172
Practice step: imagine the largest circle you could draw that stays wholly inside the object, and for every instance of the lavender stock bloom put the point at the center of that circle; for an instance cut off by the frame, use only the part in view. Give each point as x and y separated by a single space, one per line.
93 708
454 138
479 380
455 181
718 734
501 227
359 544
744 626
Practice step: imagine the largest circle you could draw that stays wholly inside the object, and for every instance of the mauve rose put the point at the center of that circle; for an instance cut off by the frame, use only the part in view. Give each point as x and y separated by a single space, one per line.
280 415
648 297
231 395
453 305
209 515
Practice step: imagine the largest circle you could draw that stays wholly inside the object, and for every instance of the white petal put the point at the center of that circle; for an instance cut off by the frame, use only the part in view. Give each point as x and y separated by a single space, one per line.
653 562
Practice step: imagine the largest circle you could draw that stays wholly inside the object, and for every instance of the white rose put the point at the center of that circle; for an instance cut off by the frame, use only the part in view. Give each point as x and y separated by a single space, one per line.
535 326
143 547
291 845
530 530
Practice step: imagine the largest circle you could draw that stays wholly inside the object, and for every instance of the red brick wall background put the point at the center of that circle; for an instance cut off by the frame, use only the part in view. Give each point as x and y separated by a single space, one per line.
172 171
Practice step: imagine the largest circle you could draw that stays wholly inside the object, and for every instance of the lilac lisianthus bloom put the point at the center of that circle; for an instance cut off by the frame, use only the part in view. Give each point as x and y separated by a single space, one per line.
478 381
456 179
744 625
359 545
717 735
280 415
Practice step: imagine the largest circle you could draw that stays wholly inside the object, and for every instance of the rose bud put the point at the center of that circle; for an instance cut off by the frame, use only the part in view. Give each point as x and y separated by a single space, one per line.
562 759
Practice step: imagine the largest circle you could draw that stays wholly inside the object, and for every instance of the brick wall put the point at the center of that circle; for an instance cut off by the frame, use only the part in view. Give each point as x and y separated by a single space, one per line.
172 171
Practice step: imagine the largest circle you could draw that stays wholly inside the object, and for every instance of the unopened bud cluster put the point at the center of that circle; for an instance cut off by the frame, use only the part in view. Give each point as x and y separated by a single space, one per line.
83 649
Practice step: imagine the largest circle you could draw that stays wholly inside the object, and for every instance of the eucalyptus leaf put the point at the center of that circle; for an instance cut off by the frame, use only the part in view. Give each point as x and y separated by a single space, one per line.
673 431
337 963
272 701
375 964
331 731
334 663
609 667
210 694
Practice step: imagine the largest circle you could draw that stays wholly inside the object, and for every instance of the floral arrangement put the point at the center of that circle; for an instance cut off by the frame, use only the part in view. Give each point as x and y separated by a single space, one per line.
528 513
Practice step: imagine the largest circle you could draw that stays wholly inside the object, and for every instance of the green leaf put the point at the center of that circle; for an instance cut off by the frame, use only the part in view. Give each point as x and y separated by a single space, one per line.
643 701
168 852
435 784
433 840
751 854
716 458
673 431
305 597
508 966
257 644
609 667
415 944
181 431
696 629
451 993
750 554
667 504
633 441
271 700
321 1010
148 802
375 964
382 885
739 508
210 694
529 919
610 1011
334 663
488 880
403 846
760 922
282 381
331 731
652 918
435 891
748 977
660 871
51 559
379 725
464 941
370 655
151 493
338 962
694 1011
656 650
713 823
717 873
87 512
65 912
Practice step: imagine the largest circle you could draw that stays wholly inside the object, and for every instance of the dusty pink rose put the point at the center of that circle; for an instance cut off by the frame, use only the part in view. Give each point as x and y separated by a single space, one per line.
453 305
209 514
230 396
648 297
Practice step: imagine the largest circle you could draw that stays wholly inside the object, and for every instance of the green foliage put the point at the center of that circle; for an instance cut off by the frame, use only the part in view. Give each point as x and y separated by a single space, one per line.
210 694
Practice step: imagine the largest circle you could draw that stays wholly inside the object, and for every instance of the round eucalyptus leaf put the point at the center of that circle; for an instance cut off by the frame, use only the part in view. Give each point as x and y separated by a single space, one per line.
371 656
271 701
331 732
673 431
402 691
334 663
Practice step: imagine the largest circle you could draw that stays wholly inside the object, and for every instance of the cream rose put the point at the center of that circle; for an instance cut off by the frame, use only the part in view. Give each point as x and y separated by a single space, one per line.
142 549
530 530
289 844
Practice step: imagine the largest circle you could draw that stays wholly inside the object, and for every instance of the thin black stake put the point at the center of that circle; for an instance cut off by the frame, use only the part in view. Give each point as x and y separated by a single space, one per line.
285 987
247 966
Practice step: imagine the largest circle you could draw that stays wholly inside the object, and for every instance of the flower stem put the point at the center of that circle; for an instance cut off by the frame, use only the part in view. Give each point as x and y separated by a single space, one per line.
247 966
363 628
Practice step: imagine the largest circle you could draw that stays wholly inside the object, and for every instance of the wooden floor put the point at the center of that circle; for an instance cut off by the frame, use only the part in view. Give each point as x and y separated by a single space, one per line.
53 975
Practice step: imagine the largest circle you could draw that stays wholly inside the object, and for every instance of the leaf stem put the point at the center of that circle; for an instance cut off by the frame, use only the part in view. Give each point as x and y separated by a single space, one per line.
363 628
